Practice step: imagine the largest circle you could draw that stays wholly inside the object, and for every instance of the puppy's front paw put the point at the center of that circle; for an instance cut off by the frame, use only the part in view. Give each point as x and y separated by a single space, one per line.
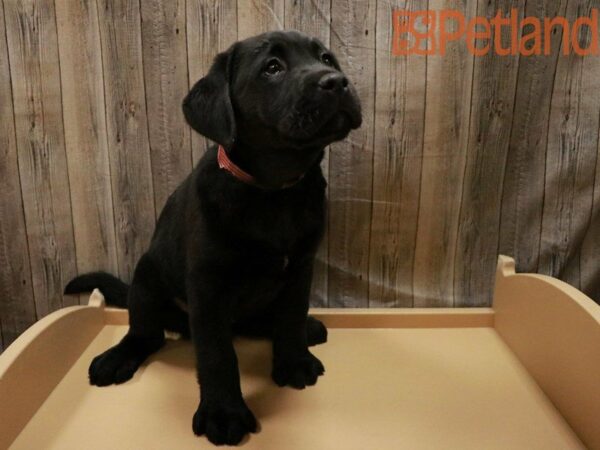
119 363
223 423
297 373
112 367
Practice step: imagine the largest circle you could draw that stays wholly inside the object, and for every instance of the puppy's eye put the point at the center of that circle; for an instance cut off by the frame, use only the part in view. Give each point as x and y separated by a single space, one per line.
327 59
273 67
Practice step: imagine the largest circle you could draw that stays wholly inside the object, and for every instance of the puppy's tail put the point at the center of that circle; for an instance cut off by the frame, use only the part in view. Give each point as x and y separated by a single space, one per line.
113 289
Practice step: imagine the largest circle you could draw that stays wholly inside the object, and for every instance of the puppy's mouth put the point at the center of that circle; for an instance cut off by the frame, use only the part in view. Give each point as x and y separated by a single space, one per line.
338 125
318 126
341 120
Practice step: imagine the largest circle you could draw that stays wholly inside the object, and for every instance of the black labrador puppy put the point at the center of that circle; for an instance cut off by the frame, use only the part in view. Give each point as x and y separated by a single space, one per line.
237 239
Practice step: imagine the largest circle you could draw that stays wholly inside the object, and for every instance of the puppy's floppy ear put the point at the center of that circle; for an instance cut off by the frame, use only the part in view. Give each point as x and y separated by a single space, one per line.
207 107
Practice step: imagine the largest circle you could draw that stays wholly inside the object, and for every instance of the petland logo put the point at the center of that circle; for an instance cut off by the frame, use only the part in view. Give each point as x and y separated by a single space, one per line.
429 32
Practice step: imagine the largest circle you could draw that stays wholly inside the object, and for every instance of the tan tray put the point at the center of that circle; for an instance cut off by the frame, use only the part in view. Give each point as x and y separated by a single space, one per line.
523 375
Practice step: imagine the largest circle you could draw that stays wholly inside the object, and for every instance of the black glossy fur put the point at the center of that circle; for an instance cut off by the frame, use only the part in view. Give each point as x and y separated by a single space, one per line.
241 256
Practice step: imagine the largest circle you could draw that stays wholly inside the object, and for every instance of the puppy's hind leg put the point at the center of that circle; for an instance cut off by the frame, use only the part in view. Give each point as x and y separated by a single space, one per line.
262 327
146 302
316 332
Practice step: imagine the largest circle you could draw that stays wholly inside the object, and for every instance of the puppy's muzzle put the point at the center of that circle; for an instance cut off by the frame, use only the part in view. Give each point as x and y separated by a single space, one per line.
333 82
335 87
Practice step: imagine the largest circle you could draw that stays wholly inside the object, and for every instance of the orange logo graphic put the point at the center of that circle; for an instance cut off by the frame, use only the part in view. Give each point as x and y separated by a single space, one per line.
430 32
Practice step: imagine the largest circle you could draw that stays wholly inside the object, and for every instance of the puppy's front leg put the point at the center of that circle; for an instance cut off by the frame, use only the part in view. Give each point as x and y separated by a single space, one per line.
222 414
293 363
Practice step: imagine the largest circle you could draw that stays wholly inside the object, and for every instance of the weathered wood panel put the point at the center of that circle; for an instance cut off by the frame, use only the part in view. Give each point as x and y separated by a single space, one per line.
571 157
35 77
492 105
590 248
258 16
447 115
459 157
351 161
399 126
127 126
17 307
523 195
166 81
211 28
313 18
85 135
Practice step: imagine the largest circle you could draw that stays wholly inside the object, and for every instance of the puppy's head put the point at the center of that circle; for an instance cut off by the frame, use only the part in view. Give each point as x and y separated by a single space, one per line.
281 89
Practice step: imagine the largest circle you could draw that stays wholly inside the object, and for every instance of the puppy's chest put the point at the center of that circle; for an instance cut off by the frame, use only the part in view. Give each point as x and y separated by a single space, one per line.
278 225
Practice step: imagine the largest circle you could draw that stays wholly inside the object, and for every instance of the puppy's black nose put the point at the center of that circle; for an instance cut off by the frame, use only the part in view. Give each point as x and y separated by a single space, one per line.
333 82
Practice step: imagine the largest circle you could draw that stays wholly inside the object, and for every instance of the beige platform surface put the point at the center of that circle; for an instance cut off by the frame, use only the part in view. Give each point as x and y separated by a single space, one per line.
430 388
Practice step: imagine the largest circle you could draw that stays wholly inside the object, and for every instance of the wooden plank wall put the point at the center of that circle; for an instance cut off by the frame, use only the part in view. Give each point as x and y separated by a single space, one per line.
459 157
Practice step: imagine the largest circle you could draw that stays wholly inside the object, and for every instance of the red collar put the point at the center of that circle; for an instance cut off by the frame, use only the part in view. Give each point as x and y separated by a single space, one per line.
227 164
